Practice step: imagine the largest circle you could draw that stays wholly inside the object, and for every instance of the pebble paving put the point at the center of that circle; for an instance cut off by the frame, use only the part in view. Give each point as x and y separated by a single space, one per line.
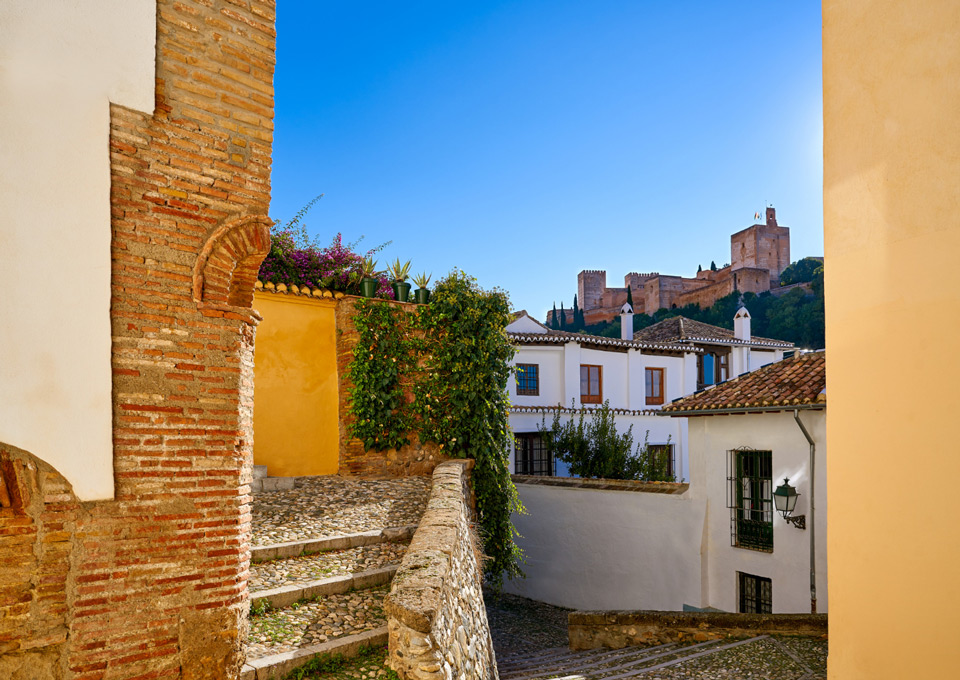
313 622
304 570
329 506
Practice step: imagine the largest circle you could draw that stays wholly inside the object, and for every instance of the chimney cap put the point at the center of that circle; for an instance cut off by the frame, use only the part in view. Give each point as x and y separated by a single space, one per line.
626 309
742 313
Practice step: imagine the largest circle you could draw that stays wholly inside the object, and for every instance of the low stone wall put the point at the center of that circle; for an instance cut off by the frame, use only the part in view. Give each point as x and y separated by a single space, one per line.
590 630
435 612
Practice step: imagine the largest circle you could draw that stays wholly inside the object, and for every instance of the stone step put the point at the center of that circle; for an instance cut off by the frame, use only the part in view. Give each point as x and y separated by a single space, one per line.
284 596
274 551
305 569
276 484
276 666
608 664
259 471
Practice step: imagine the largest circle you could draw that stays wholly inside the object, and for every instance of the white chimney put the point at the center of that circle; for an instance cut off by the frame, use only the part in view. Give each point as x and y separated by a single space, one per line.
626 322
741 325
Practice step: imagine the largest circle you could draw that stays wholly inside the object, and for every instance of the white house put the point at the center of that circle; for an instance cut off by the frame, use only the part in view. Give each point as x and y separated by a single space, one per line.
746 437
570 372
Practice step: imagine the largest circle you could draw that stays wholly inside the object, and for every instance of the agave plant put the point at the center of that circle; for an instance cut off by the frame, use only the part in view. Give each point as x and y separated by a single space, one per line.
368 268
422 280
400 271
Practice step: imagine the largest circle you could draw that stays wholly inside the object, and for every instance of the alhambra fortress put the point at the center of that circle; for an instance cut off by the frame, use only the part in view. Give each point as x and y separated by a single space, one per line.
758 255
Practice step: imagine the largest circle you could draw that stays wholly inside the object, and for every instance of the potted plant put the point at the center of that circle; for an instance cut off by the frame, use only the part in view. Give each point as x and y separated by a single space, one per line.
369 283
401 289
422 295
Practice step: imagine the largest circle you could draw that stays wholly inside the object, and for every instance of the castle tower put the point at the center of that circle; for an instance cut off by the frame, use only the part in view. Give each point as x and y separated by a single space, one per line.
590 286
762 246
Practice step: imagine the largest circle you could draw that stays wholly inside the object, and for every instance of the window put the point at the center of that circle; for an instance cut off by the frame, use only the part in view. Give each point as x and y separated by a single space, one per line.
654 385
712 368
591 384
756 594
530 457
750 499
528 379
663 457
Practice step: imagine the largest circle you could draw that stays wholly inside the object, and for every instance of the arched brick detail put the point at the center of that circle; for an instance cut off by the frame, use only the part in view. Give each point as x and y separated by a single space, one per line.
226 270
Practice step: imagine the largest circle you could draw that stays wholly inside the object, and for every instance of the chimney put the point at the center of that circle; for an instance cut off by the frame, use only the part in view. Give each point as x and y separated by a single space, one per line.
741 325
626 322
771 217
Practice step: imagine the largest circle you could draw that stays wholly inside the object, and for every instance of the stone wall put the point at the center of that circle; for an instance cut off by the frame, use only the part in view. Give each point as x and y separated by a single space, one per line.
153 584
435 611
590 630
412 459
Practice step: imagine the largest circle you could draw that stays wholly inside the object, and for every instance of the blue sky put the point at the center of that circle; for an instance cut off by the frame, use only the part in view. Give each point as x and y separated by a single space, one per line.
525 141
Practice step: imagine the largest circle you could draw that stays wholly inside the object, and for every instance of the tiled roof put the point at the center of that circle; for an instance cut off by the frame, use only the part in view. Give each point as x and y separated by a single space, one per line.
588 409
682 329
800 380
561 337
293 289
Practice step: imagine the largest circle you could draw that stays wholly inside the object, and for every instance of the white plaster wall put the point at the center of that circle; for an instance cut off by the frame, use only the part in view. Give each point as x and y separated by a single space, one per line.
759 357
614 378
662 431
789 564
61 63
590 549
550 361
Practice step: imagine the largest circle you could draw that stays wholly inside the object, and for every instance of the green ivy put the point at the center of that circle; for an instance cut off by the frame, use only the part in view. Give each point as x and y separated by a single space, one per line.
455 356
462 404
380 358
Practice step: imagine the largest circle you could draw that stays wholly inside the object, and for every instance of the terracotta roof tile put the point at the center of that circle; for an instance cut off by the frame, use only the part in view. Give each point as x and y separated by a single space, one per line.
682 329
798 381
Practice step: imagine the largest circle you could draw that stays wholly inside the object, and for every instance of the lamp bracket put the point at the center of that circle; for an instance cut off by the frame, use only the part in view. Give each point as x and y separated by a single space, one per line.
799 521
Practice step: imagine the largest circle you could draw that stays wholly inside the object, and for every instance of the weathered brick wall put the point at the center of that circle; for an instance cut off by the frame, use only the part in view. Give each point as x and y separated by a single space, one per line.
412 459
436 617
156 581
618 629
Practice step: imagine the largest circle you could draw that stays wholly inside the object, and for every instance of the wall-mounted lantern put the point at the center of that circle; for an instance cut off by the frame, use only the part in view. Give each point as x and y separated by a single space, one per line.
785 500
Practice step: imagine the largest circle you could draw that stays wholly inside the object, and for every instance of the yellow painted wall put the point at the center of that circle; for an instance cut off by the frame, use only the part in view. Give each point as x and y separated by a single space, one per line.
891 88
295 386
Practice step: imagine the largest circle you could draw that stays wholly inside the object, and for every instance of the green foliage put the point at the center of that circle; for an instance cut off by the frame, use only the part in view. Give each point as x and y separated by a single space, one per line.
576 314
462 403
801 271
630 296
554 321
381 356
454 353
563 318
713 266
422 280
336 665
699 268
400 270
594 448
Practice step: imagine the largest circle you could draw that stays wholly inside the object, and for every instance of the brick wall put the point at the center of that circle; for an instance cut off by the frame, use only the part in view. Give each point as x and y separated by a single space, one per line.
412 459
156 581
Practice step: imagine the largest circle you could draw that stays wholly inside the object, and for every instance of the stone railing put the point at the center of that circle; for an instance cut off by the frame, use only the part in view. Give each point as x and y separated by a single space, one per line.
435 611
617 629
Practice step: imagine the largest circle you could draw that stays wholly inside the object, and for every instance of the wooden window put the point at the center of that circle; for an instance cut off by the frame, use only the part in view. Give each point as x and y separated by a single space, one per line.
712 368
756 594
750 499
654 385
662 455
591 384
528 380
530 456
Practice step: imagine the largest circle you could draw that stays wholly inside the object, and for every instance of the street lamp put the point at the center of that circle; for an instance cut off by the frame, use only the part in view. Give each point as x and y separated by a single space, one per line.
785 500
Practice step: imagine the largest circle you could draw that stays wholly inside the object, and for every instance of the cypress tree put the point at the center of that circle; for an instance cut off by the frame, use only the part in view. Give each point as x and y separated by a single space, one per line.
563 317
554 323
576 313
699 269
630 296
713 266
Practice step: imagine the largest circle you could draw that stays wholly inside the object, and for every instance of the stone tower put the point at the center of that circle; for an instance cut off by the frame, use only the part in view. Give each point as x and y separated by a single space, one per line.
590 286
762 246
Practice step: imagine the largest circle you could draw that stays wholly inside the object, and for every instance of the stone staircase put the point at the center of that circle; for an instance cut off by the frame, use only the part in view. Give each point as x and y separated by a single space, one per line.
608 664
262 481
318 597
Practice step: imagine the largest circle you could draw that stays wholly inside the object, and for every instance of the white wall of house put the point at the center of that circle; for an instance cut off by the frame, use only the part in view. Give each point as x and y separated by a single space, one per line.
710 438
549 360
61 65
762 357
592 549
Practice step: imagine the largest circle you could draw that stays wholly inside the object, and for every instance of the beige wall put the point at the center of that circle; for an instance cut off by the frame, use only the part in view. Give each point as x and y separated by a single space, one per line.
61 65
295 417
891 203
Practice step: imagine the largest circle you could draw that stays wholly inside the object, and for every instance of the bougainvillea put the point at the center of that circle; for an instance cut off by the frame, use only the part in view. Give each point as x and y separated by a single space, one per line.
295 258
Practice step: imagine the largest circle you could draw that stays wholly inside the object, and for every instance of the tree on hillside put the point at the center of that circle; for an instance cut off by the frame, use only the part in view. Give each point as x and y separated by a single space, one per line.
801 271
576 314
554 323
630 297
699 269
563 318
713 266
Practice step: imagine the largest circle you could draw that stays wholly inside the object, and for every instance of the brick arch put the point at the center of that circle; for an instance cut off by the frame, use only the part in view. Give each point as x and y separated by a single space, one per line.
226 270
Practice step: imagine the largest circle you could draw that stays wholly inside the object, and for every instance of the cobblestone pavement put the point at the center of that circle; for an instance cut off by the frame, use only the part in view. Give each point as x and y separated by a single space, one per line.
522 627
328 506
368 665
312 622
519 625
303 570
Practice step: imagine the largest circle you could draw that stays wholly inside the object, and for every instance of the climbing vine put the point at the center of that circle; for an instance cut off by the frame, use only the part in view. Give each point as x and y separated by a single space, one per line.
380 358
454 355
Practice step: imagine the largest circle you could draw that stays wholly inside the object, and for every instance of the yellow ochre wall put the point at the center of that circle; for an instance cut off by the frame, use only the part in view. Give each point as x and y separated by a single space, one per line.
295 386
891 85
